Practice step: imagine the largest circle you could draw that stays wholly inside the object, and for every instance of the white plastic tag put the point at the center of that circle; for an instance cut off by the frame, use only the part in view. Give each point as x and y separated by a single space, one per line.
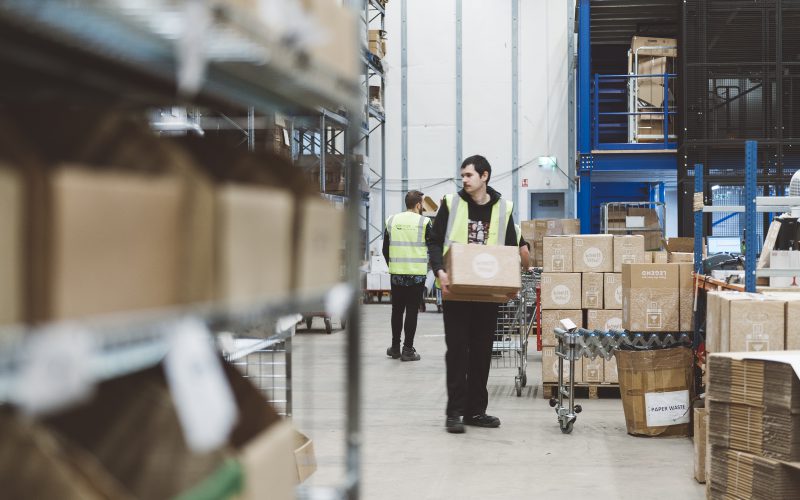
56 372
667 408
567 324
202 396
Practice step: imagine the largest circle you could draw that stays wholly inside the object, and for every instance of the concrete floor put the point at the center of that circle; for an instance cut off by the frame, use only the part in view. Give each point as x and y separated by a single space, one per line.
407 453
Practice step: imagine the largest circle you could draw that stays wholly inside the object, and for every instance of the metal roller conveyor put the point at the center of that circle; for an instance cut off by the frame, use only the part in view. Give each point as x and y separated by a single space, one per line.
575 343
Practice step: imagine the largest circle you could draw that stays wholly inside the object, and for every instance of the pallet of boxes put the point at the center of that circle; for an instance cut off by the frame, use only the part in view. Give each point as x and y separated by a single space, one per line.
748 435
582 281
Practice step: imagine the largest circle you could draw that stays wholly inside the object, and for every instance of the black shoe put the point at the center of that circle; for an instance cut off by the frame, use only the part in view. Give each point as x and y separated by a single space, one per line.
393 352
482 421
409 354
454 425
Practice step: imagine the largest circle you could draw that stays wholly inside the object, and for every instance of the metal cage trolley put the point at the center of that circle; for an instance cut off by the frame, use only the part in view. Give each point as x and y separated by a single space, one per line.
515 319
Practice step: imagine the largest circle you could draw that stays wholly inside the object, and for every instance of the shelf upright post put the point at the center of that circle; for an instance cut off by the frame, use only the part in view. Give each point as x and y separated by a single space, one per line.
750 173
698 251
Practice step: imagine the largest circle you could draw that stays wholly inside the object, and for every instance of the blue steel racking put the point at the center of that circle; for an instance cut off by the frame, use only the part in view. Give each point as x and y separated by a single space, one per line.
612 163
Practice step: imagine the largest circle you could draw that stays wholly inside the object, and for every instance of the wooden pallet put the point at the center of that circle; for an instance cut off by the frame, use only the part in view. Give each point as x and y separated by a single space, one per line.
583 391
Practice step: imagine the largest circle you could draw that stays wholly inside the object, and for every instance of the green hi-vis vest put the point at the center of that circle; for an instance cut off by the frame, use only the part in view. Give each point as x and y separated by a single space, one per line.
458 221
407 251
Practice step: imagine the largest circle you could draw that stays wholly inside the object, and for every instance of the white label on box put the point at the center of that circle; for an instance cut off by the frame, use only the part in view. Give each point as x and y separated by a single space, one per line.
593 257
195 377
634 221
485 265
561 294
667 408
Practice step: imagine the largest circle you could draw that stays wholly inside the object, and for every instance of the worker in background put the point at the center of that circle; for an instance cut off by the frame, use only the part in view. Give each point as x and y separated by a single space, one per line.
405 249
477 214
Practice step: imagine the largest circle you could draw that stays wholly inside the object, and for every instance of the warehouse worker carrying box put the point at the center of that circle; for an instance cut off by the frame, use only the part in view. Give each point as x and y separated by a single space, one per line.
472 231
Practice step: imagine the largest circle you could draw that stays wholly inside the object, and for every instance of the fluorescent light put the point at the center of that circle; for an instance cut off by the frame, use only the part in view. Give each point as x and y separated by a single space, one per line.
715 187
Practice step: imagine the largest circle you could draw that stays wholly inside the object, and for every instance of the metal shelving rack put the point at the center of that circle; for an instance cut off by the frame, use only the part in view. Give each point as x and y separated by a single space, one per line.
375 119
112 51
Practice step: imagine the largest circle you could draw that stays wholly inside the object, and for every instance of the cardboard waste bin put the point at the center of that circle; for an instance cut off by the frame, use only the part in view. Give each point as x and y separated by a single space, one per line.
657 389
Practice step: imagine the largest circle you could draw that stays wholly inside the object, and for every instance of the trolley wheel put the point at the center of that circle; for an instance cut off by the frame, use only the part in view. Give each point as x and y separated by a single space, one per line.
578 409
518 387
308 323
553 402
566 429
438 309
328 326
344 323
524 379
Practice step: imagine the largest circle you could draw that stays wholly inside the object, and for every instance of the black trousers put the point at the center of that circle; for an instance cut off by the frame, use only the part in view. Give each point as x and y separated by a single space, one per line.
469 332
405 301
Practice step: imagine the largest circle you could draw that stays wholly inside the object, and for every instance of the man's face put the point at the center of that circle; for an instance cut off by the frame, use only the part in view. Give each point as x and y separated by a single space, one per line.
471 180
418 208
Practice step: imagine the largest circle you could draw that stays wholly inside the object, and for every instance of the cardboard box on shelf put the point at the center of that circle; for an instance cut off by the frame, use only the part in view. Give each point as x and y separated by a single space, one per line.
550 367
656 389
755 324
561 291
628 250
660 257
680 257
551 319
12 246
680 244
700 441
610 375
593 253
323 227
592 290
377 43
487 271
612 290
244 275
333 51
714 318
651 297
95 217
593 370
604 320
557 254
687 288
667 47
769 244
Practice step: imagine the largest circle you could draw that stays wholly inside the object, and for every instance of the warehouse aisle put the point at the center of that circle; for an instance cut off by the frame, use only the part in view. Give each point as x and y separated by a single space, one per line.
407 453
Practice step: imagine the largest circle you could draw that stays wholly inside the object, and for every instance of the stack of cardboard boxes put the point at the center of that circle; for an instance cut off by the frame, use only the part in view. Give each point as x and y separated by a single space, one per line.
377 43
582 281
753 405
535 230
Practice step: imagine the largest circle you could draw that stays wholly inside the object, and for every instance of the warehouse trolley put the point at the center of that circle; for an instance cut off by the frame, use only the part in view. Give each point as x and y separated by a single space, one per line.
574 343
515 319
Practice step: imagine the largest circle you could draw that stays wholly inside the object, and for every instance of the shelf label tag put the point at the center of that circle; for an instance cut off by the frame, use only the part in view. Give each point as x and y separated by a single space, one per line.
201 393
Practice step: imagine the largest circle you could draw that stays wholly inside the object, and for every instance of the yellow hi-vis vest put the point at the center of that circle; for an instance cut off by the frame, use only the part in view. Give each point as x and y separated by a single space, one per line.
407 251
458 221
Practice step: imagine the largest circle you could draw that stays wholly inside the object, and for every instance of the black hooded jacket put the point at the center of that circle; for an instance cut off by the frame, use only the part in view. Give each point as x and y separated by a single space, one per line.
476 213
